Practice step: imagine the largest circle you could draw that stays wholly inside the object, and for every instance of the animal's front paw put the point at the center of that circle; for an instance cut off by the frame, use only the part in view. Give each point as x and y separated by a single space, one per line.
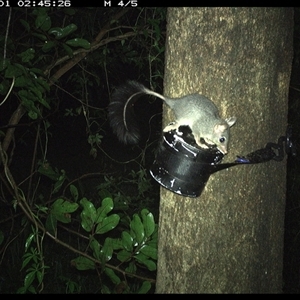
171 126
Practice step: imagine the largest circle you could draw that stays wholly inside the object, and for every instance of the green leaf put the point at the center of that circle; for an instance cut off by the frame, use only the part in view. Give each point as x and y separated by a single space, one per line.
127 241
25 24
47 170
40 81
39 276
42 20
116 243
43 102
4 62
40 36
21 290
131 267
108 224
144 289
152 242
82 263
137 227
48 45
29 279
150 264
22 68
61 209
65 206
124 255
149 251
22 81
59 32
68 49
77 42
59 181
95 246
112 275
28 100
51 224
88 214
27 258
103 193
74 192
32 290
148 222
25 262
29 240
12 71
106 206
107 250
36 91
56 31
46 24
105 289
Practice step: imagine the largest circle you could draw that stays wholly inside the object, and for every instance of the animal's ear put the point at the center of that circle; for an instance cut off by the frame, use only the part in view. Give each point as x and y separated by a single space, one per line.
220 128
230 121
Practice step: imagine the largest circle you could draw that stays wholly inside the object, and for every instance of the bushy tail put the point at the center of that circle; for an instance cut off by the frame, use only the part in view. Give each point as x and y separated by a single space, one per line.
121 114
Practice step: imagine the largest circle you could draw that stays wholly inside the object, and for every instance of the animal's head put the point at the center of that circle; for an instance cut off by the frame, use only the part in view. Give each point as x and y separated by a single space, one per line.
221 135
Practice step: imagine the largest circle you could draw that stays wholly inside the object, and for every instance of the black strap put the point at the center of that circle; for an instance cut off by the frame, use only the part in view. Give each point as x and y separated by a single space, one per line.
272 151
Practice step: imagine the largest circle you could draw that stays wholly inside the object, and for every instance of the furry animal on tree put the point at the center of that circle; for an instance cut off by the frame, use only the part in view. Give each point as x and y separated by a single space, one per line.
194 110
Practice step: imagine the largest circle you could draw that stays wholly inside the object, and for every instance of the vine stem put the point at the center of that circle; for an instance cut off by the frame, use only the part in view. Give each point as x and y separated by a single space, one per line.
21 201
20 111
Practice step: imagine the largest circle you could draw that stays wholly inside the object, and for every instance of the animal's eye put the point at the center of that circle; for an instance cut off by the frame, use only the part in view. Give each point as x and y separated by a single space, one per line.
222 139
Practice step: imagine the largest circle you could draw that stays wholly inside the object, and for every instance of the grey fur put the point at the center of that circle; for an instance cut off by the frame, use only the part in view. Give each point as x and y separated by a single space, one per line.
195 111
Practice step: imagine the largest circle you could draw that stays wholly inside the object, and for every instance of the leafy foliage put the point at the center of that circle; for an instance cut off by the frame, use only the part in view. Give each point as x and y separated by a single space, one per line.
105 236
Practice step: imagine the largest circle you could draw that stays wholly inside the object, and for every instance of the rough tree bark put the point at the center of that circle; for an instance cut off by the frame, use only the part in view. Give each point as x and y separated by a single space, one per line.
230 239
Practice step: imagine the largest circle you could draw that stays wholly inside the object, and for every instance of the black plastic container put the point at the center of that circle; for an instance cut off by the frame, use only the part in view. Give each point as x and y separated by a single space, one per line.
181 166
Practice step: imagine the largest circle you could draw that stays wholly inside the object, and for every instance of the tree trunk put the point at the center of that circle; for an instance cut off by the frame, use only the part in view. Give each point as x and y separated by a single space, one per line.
230 239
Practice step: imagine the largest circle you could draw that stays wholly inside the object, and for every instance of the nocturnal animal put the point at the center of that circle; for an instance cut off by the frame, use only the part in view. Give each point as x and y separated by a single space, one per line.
194 110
